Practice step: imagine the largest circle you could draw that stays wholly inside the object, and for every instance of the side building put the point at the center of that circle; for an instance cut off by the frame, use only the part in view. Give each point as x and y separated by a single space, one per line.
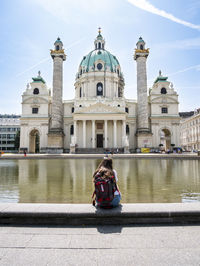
190 130
9 126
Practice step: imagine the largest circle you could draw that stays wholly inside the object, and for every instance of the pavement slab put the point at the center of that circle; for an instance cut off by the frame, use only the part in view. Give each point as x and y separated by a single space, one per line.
101 245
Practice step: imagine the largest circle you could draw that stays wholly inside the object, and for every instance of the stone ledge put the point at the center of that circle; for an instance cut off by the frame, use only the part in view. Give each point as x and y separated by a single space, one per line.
100 156
86 214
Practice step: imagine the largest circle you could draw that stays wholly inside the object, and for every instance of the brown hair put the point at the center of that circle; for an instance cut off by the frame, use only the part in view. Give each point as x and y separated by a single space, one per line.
105 168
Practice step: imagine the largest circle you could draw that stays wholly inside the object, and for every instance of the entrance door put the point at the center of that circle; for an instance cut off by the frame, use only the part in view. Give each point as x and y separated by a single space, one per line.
99 140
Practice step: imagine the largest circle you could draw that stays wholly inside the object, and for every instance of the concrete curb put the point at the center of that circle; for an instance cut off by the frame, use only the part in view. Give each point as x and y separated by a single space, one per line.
86 214
99 156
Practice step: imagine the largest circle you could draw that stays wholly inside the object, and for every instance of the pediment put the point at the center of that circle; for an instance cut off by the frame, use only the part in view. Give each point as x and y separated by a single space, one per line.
34 100
166 99
99 108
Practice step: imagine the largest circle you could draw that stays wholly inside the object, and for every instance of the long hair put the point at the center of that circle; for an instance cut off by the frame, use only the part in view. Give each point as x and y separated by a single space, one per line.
105 168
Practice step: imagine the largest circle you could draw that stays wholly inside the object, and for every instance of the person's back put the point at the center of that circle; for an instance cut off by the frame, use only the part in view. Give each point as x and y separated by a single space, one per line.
105 181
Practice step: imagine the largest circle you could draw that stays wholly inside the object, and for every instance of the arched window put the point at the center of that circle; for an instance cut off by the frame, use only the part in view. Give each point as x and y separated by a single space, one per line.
80 92
36 91
57 47
99 66
163 91
72 130
96 45
99 89
99 45
141 47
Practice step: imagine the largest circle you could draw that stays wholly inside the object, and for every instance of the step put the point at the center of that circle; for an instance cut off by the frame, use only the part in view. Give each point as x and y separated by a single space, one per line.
86 214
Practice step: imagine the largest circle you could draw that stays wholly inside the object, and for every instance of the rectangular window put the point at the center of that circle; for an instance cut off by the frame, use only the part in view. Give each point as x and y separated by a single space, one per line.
34 110
164 110
126 109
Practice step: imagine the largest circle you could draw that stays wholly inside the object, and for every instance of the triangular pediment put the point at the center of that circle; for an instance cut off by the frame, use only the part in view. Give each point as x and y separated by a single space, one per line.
99 108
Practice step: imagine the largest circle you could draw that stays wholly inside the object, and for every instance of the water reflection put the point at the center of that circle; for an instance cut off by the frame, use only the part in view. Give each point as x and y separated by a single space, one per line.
70 180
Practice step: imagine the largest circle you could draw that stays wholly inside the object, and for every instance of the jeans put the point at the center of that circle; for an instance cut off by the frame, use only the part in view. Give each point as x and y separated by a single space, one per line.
116 200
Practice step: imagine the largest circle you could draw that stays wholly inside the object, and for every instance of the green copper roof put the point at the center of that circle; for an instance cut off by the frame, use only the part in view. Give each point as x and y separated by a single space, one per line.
140 40
38 79
161 78
89 60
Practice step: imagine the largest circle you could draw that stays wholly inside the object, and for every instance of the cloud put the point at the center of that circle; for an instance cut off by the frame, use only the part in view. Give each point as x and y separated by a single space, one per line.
147 6
196 67
48 58
73 11
186 44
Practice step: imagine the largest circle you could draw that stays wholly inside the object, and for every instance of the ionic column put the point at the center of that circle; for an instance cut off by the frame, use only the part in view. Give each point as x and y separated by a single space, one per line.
84 133
93 133
115 133
75 130
123 132
105 133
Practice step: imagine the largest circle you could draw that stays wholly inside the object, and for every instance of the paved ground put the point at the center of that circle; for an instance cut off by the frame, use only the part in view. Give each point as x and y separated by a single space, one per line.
103 245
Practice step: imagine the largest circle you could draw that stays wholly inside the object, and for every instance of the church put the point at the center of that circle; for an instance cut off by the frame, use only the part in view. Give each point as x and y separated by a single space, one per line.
99 118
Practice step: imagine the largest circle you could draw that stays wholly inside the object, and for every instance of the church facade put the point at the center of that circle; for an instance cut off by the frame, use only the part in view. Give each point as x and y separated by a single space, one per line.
99 118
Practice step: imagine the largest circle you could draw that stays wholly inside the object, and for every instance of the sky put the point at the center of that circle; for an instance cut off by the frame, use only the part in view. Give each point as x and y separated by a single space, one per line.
170 28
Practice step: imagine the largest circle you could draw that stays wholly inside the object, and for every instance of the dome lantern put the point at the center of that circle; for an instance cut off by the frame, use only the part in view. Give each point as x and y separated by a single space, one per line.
99 42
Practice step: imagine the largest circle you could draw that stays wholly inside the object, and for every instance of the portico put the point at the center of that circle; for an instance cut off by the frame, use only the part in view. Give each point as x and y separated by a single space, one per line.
99 131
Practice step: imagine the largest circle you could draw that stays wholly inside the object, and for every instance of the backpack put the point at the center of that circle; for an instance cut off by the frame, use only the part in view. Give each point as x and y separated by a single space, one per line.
104 190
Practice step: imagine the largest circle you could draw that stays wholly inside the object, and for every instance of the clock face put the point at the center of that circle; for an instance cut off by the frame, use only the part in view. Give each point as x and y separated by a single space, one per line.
99 66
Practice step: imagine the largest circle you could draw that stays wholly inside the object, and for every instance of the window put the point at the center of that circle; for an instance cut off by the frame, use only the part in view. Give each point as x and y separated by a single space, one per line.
72 130
141 47
126 109
80 92
127 130
34 110
164 110
99 66
57 47
99 89
163 91
72 109
99 45
118 105
36 91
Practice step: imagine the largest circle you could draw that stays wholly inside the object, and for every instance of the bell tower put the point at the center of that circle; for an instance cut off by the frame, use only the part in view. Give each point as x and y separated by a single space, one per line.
144 136
55 135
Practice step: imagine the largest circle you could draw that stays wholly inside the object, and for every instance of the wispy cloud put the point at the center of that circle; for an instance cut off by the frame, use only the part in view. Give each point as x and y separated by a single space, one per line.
48 58
192 43
71 11
147 6
196 67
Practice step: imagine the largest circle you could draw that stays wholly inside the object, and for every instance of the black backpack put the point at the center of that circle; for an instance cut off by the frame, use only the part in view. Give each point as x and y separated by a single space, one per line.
104 190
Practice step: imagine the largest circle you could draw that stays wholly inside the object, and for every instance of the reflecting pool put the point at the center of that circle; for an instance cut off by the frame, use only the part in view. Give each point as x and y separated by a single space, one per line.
70 180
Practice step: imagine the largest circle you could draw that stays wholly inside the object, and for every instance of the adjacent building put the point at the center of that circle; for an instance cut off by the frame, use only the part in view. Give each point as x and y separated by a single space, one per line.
190 130
9 126
99 118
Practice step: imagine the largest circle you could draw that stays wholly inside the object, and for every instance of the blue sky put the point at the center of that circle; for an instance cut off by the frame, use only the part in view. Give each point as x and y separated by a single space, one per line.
171 29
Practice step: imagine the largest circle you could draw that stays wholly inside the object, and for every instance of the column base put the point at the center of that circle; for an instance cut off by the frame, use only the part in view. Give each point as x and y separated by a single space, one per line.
55 141
144 138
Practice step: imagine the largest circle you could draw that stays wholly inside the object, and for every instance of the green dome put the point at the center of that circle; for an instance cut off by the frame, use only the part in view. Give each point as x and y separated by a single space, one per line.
109 60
